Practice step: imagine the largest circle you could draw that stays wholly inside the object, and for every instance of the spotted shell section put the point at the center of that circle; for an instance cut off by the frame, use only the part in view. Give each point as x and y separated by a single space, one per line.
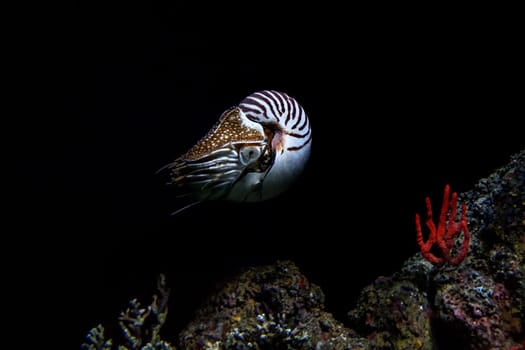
230 128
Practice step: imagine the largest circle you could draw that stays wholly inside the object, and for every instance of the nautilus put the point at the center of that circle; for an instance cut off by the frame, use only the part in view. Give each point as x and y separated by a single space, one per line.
255 151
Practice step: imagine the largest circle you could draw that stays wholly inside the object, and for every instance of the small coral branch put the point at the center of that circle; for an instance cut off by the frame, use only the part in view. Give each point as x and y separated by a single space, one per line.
96 340
140 326
444 234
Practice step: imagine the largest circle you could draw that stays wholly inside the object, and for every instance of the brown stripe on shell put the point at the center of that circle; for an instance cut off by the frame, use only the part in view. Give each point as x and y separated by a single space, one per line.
296 148
300 136
300 112
291 111
303 125
279 99
267 98
251 100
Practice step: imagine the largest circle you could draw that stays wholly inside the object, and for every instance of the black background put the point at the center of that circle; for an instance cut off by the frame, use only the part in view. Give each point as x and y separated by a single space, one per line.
400 105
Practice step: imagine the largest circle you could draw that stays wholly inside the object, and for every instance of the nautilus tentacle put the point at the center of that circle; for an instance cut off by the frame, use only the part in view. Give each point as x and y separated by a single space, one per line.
255 151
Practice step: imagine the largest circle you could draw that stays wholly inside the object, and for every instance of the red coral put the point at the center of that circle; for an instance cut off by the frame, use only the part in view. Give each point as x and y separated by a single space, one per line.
444 235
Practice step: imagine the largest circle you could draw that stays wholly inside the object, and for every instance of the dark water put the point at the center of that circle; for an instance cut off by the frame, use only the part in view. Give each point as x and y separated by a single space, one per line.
391 125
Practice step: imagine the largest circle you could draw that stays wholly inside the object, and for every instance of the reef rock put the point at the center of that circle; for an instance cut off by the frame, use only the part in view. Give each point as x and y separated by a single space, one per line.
478 304
268 307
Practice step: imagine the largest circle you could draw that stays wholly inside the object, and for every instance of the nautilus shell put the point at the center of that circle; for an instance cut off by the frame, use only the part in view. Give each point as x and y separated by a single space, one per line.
254 152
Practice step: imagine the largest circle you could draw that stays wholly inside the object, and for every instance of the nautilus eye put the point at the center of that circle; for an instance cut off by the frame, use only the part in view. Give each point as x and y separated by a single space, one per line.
249 154
255 151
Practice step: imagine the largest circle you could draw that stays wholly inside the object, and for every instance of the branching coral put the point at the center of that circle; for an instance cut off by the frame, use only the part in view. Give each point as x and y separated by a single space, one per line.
140 326
444 235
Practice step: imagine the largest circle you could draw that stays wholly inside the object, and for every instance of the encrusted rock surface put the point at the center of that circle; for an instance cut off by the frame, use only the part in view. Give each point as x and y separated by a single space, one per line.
269 307
478 304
